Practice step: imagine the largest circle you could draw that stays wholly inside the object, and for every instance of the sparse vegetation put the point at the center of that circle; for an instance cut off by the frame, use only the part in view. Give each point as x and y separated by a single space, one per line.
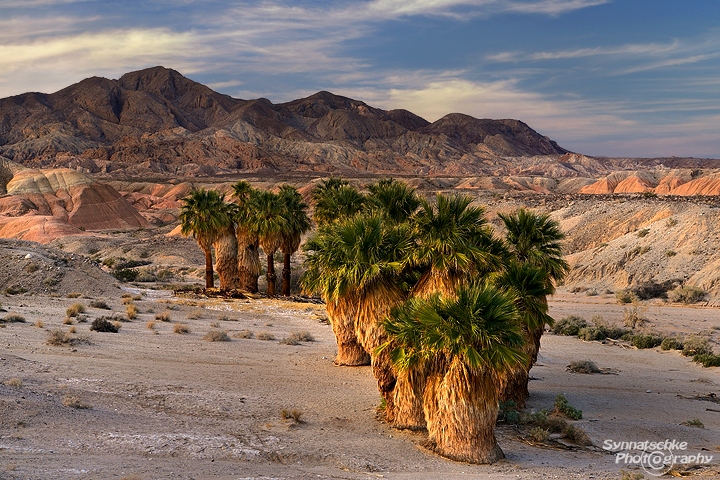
569 325
72 401
163 316
216 336
671 222
625 296
707 359
39 324
686 294
195 314
75 309
67 321
642 232
132 311
103 324
100 304
670 253
696 345
150 325
563 407
294 415
539 434
73 295
296 337
583 366
602 331
181 328
577 436
58 338
634 316
671 343
265 336
694 423
13 318
650 340
244 334
13 382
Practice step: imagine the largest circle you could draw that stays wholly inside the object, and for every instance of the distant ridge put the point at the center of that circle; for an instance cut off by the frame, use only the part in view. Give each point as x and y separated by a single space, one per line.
156 120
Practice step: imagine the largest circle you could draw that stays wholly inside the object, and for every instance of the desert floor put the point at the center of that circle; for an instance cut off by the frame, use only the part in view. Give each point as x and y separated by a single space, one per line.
167 405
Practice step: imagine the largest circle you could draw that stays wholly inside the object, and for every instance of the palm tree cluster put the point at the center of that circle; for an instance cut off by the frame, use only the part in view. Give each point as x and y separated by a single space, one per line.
448 314
237 230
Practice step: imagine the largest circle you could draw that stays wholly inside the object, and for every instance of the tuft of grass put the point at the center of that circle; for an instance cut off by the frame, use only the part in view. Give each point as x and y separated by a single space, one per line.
694 423
670 253
13 318
216 336
100 304
563 407
625 296
13 382
296 337
67 321
215 324
583 366
624 475
132 311
181 328
577 435
244 334
195 314
103 324
265 336
39 324
150 325
650 340
634 316
163 316
294 415
642 232
539 434
75 309
58 338
74 295
72 401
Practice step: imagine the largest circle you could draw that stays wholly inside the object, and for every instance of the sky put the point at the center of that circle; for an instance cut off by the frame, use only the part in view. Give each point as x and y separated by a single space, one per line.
627 78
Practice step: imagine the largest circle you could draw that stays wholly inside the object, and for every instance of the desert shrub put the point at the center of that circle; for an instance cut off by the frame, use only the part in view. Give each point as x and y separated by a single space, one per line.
539 434
695 422
13 318
294 414
563 407
625 296
707 359
695 345
39 324
15 289
591 292
265 336
577 436
624 475
130 264
583 366
126 274
244 334
163 316
296 337
687 294
670 253
634 316
150 324
146 276
601 332
642 232
100 304
181 328
569 325
551 423
13 382
31 267
132 311
75 309
671 222
103 324
109 262
195 314
648 290
216 336
67 321
58 337
650 340
73 295
671 343
509 413
72 401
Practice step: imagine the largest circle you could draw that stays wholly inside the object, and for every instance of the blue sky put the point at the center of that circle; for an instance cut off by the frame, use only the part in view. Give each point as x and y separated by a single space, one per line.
636 78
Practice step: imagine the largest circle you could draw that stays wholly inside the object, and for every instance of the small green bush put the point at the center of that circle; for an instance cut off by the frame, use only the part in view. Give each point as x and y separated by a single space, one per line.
670 343
508 412
583 366
569 325
13 318
601 332
564 408
577 436
695 345
625 296
100 304
539 434
642 232
103 324
687 294
707 360
650 340
126 274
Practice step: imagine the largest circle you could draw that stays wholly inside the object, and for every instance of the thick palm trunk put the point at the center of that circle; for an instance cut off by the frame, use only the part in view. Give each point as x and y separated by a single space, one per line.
350 352
226 262
408 399
209 274
249 267
373 307
270 274
286 274
517 385
467 407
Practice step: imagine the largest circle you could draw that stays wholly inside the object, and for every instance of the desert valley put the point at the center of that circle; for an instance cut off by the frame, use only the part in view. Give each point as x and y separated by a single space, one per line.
190 385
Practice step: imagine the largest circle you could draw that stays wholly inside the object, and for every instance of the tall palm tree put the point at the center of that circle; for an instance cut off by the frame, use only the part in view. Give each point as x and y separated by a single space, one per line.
247 236
356 264
269 223
297 223
204 213
393 199
454 244
335 199
535 239
470 342
529 288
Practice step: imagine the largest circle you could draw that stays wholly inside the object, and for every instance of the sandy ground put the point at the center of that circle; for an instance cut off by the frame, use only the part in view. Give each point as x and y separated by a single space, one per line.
166 405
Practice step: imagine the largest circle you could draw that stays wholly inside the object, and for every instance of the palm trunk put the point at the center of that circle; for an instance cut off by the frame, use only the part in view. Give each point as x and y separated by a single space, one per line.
249 267
467 402
408 399
226 263
286 273
270 274
350 352
209 274
517 386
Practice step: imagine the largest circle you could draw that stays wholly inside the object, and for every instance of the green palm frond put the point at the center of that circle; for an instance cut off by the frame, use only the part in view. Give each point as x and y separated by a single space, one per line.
205 214
335 199
393 199
529 286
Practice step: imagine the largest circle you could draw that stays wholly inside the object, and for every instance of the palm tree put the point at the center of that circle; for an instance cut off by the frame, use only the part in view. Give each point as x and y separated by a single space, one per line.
529 288
469 342
335 199
247 237
454 244
297 223
393 199
355 265
535 239
204 213
269 223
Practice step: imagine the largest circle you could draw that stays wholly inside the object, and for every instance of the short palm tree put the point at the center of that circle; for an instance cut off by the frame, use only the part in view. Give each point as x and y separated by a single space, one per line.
469 342
204 213
247 236
529 288
297 223
355 265
335 199
535 239
269 222
393 199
